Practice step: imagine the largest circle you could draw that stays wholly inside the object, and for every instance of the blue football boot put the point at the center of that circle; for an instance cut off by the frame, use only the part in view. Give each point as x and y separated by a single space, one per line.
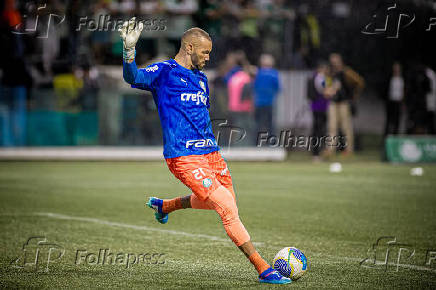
273 277
156 204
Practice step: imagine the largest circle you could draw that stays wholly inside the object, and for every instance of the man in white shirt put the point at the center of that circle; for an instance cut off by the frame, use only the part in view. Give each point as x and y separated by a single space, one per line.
394 100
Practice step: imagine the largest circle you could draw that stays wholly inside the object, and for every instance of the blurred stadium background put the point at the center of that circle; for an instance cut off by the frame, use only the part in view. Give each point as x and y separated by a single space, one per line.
61 76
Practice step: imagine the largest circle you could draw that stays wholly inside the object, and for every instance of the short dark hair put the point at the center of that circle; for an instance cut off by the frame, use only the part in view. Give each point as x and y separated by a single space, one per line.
195 32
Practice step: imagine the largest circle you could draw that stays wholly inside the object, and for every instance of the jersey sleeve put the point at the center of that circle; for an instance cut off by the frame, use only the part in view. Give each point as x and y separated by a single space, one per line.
144 78
207 91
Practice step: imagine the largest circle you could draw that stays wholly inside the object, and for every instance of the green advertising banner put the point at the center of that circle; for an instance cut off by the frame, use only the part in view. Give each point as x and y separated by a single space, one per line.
411 148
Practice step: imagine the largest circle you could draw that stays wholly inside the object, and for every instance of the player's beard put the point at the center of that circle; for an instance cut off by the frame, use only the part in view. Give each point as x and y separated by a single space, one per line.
196 62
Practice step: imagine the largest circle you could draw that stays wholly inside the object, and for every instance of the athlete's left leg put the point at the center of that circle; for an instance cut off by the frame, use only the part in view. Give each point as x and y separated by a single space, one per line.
223 201
204 178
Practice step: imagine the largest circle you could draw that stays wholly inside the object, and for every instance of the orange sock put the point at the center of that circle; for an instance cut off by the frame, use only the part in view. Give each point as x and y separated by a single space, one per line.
170 205
258 262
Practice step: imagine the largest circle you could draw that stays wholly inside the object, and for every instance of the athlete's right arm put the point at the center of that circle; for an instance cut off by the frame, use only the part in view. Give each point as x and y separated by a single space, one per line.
130 32
142 78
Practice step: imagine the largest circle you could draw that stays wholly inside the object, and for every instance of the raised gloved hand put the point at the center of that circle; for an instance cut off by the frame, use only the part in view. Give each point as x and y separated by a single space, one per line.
130 32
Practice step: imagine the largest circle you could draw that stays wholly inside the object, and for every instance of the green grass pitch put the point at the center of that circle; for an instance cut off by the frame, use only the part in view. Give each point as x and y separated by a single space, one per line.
333 218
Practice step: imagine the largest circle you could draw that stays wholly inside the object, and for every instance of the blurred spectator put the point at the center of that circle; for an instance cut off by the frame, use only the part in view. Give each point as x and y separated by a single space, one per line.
15 79
276 30
266 88
230 22
67 85
101 39
417 88
239 83
209 17
394 101
348 85
49 33
239 28
126 7
73 18
10 15
179 19
151 6
250 42
431 101
307 38
319 94
89 92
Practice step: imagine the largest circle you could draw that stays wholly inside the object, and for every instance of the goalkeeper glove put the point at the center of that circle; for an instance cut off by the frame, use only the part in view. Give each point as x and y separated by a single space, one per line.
130 32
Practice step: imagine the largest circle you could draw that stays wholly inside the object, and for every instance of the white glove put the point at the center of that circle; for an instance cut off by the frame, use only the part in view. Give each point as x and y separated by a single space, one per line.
130 33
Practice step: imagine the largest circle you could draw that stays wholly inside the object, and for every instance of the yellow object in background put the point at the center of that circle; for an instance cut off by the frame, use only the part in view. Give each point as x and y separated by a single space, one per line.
67 87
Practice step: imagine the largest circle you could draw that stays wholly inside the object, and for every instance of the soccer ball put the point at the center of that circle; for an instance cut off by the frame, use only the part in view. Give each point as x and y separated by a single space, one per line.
290 262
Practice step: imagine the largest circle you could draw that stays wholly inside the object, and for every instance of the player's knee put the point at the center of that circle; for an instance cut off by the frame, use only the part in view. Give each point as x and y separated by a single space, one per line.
225 205
230 189
230 214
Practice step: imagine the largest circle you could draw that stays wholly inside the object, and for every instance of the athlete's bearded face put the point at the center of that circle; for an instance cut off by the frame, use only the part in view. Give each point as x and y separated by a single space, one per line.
200 53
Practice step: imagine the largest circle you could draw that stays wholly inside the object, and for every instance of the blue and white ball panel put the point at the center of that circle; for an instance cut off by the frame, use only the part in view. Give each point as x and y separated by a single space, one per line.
290 262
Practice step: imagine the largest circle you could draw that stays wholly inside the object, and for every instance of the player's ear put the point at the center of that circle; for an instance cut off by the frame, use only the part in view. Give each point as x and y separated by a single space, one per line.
189 48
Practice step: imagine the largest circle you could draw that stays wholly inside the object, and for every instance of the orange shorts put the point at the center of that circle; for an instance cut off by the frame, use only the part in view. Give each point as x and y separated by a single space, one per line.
203 174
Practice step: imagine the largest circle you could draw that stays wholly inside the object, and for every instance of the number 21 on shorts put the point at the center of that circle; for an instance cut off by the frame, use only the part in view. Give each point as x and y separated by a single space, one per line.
199 173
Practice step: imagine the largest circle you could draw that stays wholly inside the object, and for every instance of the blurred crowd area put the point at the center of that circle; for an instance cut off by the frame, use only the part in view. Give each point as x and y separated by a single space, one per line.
290 30
61 61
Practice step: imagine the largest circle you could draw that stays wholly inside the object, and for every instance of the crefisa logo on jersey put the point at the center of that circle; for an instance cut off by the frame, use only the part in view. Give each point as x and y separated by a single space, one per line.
152 68
200 143
197 98
203 87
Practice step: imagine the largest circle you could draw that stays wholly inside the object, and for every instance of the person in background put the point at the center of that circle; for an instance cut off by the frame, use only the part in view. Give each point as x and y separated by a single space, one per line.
241 103
16 79
417 87
431 101
238 75
394 101
348 85
266 87
88 94
319 94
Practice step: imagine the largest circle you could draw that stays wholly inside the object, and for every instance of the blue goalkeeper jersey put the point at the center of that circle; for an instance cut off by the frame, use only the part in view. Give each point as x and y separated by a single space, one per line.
182 98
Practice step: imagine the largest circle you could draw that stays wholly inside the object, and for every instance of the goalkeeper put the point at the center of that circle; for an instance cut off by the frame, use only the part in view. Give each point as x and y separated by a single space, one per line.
181 93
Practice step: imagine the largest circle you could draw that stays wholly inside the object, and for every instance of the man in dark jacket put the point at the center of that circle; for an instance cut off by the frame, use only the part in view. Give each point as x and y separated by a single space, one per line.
348 85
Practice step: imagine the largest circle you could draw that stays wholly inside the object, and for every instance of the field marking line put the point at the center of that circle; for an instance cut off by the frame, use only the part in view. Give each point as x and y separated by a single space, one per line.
213 238
135 227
